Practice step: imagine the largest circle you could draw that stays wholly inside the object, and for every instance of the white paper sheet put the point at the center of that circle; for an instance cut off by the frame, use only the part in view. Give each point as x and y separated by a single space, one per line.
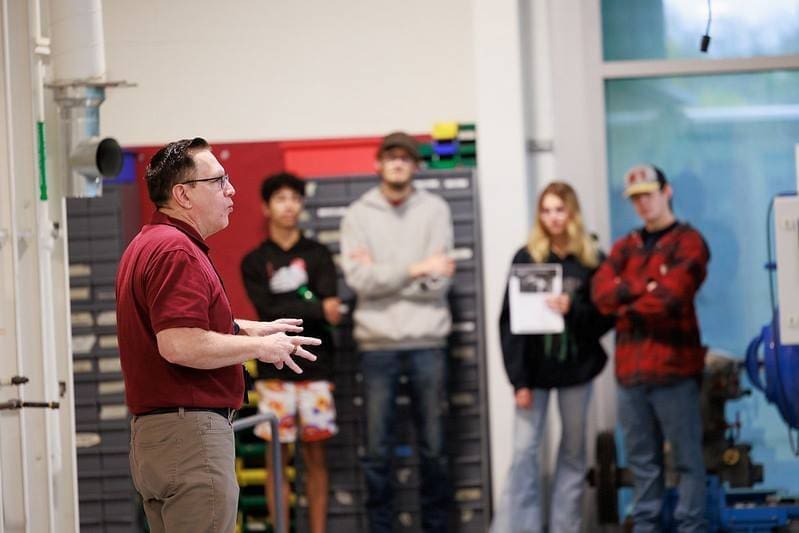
529 287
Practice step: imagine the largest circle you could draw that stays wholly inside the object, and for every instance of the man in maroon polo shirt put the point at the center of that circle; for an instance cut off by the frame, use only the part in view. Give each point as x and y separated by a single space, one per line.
182 350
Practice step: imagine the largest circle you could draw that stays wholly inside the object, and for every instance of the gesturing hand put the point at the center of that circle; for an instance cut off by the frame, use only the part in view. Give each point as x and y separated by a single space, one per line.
281 325
279 349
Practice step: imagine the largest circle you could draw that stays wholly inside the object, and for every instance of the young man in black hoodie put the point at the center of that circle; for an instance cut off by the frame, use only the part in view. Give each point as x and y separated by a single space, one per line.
291 275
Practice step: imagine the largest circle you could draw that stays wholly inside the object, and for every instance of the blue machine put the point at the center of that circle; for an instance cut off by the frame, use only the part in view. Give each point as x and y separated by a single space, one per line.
746 510
776 374
736 510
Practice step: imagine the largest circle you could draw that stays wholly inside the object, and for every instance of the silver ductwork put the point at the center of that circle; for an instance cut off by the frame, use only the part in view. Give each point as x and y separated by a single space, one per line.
89 158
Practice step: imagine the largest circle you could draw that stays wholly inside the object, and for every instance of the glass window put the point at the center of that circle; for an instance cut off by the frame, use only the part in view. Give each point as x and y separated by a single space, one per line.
668 29
726 143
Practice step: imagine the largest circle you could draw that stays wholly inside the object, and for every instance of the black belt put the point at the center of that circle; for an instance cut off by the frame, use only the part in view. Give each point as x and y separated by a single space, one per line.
225 412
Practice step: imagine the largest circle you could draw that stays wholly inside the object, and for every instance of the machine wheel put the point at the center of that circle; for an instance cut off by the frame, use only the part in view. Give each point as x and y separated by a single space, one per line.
606 479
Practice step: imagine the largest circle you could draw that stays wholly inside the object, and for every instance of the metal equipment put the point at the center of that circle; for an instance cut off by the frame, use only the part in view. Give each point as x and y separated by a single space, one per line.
727 460
277 473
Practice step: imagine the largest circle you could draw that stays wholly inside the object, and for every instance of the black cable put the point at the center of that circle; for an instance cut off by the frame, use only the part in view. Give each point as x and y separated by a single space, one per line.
770 266
705 43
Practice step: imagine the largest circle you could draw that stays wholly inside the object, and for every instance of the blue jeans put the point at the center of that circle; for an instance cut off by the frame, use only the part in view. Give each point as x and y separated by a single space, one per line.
648 414
426 372
519 509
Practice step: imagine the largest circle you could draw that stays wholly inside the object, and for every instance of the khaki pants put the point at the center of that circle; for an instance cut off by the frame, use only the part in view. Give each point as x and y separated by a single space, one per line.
183 466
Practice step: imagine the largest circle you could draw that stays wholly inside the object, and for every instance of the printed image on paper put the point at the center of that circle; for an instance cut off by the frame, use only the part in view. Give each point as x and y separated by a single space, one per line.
529 287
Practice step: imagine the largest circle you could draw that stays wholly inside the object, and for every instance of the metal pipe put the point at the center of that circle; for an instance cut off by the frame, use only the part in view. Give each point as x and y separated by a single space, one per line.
78 59
46 244
277 465
80 119
11 518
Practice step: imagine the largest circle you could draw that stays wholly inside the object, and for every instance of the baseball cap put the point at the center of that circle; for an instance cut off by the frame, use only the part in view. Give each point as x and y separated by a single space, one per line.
399 139
643 179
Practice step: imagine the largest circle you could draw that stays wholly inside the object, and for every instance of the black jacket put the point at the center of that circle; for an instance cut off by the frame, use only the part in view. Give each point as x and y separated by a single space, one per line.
258 269
542 361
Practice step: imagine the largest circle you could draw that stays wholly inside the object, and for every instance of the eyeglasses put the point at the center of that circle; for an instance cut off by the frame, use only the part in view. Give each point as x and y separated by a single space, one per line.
223 181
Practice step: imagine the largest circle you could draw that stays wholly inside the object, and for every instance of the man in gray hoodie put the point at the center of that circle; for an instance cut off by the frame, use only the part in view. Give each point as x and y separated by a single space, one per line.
395 253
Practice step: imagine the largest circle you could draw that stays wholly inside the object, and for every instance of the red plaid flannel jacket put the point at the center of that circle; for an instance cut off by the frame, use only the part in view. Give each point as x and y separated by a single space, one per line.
651 293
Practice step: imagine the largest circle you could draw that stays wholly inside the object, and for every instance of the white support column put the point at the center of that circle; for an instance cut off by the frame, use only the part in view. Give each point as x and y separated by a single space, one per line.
563 101
796 162
578 110
580 144
37 457
503 192
538 93
13 467
53 242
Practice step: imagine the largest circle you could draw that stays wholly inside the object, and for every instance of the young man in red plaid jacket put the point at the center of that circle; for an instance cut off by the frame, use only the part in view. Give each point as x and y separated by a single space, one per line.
649 282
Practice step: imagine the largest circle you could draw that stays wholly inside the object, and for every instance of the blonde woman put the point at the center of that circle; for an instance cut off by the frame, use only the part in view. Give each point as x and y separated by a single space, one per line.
538 364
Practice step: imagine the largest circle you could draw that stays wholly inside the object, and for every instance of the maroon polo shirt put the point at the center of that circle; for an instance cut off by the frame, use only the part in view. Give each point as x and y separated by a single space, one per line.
166 280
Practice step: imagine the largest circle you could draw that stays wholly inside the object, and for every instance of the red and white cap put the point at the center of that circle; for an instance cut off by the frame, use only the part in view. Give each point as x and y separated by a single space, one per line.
643 179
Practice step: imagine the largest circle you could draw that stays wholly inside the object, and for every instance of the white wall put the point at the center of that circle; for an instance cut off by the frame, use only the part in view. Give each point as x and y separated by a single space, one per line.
503 195
38 485
264 69
258 70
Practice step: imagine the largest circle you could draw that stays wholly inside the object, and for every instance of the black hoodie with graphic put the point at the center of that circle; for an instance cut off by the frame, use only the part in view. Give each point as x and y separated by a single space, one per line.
292 284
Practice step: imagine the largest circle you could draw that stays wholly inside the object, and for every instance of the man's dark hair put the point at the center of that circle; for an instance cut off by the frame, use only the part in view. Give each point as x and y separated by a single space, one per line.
169 167
662 181
275 182
661 177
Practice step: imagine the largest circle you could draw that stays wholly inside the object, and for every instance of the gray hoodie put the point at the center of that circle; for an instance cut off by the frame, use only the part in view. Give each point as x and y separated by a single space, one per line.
394 311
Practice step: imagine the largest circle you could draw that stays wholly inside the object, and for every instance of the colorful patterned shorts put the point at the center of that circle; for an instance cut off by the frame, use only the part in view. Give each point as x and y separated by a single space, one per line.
309 401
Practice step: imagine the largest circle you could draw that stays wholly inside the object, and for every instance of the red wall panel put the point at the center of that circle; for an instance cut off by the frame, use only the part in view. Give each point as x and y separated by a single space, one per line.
247 163
330 157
